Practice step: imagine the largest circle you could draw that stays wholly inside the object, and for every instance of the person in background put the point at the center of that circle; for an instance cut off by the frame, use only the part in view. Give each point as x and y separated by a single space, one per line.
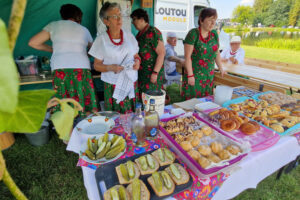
70 64
116 57
234 54
171 56
201 53
152 52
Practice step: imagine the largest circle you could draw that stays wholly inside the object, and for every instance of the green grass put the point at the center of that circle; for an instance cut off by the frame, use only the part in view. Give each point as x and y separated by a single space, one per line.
275 29
50 172
280 55
276 43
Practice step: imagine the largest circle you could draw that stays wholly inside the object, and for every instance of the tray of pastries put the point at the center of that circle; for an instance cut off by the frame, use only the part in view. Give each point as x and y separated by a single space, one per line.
273 116
244 91
204 149
151 175
241 127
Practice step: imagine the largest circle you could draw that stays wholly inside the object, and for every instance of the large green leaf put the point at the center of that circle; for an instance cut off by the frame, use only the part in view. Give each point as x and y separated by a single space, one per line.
9 81
63 120
30 112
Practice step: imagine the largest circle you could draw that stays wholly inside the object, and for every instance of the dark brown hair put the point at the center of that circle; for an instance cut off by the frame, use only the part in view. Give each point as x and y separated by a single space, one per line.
140 14
206 12
70 11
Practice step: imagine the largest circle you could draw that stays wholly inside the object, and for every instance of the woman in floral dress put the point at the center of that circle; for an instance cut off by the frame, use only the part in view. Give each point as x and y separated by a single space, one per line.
201 52
70 64
152 52
111 50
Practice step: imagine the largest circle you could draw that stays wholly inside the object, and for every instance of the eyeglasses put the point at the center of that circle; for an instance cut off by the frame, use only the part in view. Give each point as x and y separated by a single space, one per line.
117 17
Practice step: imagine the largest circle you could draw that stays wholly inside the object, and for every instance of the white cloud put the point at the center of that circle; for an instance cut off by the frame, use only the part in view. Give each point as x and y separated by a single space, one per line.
247 2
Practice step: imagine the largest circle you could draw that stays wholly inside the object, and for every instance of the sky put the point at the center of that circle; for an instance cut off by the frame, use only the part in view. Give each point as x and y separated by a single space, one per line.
225 7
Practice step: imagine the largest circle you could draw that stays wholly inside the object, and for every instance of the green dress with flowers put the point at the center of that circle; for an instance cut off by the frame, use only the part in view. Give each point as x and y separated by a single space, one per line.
148 42
203 64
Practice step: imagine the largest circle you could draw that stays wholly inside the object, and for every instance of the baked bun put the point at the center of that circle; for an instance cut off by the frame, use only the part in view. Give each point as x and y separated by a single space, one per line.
214 158
195 142
164 191
107 193
198 133
194 154
184 176
204 150
204 162
149 170
144 194
206 130
186 145
233 149
224 154
122 180
216 147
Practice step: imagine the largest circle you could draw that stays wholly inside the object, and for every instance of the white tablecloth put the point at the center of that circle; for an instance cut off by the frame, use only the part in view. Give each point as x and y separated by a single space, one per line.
253 169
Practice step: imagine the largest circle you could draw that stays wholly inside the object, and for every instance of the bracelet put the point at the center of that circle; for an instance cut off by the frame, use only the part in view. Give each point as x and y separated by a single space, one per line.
190 76
154 72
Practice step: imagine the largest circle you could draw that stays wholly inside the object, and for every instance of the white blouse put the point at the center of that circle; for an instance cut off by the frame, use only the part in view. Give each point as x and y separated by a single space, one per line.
240 55
69 42
103 49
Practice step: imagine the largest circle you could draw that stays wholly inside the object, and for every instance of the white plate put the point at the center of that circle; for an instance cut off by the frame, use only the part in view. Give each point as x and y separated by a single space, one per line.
102 160
95 125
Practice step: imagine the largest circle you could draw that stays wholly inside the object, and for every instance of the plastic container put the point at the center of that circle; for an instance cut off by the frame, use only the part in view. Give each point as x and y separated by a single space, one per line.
27 66
222 94
159 96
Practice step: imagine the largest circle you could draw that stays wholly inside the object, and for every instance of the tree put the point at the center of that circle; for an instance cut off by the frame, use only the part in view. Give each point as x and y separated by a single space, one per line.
294 14
278 13
243 14
261 6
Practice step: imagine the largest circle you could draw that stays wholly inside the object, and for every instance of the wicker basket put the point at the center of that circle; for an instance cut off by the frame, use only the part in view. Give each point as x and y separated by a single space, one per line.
146 3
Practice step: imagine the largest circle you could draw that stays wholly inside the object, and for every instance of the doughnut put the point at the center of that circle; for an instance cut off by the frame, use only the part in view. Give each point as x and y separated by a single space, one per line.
245 119
235 113
256 125
228 125
237 123
248 128
240 119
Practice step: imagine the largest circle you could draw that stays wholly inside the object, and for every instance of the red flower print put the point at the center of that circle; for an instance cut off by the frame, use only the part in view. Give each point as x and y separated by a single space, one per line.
71 82
211 84
91 83
200 81
79 76
114 86
215 47
212 34
201 62
147 56
60 75
205 51
205 64
87 100
211 72
147 86
149 35
110 100
122 104
206 93
76 98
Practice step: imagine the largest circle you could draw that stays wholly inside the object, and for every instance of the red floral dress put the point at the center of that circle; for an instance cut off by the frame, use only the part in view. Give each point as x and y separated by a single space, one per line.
148 41
77 84
203 64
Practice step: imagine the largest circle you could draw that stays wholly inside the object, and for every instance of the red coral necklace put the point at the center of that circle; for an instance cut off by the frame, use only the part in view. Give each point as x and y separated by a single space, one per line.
201 38
143 31
116 43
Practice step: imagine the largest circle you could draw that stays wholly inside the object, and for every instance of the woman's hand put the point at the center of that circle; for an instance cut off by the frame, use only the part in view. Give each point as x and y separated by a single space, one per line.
153 78
223 72
191 81
116 68
136 64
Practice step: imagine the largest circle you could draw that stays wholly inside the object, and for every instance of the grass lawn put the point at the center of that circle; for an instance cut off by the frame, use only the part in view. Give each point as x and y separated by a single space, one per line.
280 55
50 172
